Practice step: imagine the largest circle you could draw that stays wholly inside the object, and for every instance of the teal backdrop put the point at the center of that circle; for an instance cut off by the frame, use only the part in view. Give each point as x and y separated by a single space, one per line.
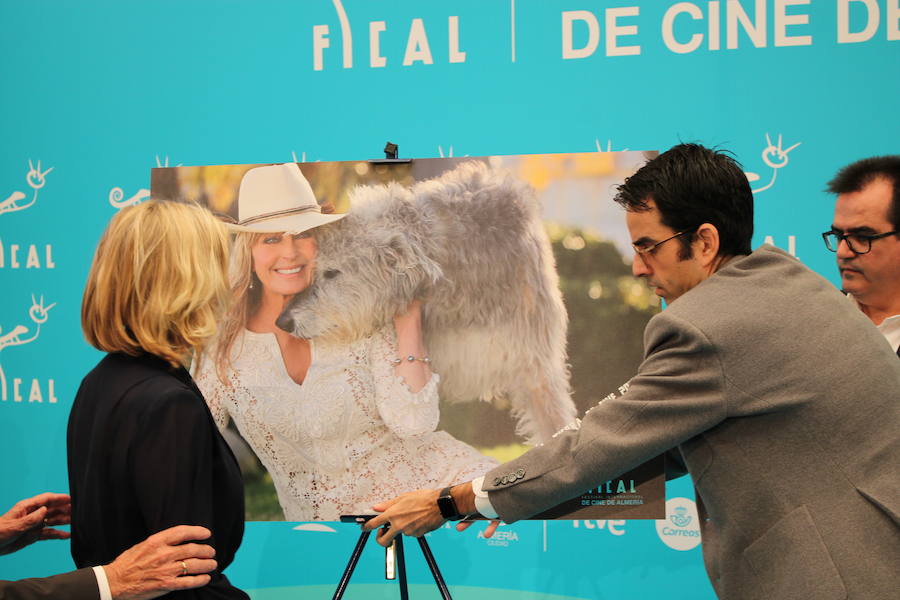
95 93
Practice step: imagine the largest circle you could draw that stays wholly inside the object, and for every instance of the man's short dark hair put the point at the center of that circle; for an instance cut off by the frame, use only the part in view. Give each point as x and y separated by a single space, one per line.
692 185
854 177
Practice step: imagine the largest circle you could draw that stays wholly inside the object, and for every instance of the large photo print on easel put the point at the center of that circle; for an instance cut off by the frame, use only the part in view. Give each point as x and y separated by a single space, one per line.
408 324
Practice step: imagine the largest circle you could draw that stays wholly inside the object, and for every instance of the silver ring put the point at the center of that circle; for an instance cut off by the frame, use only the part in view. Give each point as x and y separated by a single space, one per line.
184 569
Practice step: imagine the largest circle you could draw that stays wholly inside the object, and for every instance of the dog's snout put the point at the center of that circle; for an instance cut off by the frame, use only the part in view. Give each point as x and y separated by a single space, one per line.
285 322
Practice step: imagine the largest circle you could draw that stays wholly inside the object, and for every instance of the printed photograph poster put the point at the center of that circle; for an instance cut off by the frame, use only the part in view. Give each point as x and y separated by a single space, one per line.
407 324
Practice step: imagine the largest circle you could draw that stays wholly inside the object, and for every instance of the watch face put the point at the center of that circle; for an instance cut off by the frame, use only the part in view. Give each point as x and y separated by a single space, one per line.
448 507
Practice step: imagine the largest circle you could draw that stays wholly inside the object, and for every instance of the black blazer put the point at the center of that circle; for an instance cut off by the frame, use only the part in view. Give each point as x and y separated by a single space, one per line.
77 585
144 455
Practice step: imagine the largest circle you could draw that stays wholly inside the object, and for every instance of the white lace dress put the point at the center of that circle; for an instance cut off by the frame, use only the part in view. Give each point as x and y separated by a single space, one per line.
352 435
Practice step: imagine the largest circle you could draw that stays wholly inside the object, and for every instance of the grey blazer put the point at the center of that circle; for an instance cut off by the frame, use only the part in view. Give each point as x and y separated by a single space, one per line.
76 585
783 402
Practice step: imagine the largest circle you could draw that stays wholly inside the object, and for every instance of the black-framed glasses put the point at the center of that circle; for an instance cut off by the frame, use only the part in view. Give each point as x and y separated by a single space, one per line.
645 251
859 243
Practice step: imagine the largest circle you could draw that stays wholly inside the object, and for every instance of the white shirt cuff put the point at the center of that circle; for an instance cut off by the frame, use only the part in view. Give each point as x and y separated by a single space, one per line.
482 502
102 583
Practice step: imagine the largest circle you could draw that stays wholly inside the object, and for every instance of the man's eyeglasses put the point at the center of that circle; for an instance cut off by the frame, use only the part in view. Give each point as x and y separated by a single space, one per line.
859 243
645 251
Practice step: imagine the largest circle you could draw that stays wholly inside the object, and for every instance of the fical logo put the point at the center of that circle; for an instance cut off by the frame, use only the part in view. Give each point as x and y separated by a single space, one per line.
117 197
10 256
418 47
19 200
19 336
775 156
680 530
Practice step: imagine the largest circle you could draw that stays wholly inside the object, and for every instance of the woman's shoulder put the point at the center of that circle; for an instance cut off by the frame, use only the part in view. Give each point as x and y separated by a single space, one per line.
382 342
119 371
164 398
137 385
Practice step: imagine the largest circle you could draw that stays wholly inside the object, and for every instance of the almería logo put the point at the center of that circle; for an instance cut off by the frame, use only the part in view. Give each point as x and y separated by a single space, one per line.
501 537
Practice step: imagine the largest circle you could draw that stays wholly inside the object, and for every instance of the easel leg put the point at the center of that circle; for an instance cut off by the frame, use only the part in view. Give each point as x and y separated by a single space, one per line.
435 571
351 565
401 568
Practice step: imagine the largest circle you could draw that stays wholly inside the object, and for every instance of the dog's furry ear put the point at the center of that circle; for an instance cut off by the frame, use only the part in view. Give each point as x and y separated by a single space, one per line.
409 262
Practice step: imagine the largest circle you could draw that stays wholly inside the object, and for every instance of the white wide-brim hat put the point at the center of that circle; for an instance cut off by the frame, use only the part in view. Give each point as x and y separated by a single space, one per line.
277 199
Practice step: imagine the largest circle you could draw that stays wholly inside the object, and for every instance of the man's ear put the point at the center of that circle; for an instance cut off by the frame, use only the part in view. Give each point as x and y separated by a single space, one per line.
706 244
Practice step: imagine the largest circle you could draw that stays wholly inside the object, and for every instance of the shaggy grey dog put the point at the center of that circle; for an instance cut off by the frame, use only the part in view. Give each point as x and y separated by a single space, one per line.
471 245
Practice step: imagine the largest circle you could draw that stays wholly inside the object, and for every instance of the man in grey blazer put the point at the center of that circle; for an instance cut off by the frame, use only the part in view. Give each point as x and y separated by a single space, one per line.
162 563
774 392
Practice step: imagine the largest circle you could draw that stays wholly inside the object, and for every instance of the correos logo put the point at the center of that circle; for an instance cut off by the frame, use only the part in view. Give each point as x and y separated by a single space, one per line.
680 530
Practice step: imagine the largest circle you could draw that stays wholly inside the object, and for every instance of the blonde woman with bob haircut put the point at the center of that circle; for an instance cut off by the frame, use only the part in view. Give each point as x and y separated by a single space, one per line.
144 451
338 426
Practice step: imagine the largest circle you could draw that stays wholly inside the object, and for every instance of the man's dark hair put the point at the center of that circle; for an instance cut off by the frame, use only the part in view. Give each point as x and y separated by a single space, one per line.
858 175
692 185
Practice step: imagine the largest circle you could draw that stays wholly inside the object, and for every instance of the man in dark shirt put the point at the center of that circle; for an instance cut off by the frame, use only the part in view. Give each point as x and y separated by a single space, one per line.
865 235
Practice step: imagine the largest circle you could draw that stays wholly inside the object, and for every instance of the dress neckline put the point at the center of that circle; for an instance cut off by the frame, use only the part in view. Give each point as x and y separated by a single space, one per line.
269 338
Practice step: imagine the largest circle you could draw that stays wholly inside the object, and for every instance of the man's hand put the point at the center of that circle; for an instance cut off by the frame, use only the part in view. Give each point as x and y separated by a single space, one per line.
27 521
162 563
414 513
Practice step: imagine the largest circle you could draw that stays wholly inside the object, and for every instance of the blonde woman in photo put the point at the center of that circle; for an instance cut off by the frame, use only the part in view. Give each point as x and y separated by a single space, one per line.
335 425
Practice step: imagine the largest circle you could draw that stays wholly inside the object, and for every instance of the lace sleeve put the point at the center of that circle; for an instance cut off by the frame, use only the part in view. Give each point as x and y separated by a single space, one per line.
218 396
406 413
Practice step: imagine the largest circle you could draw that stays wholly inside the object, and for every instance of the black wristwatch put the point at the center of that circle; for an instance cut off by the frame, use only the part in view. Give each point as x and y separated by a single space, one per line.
447 506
